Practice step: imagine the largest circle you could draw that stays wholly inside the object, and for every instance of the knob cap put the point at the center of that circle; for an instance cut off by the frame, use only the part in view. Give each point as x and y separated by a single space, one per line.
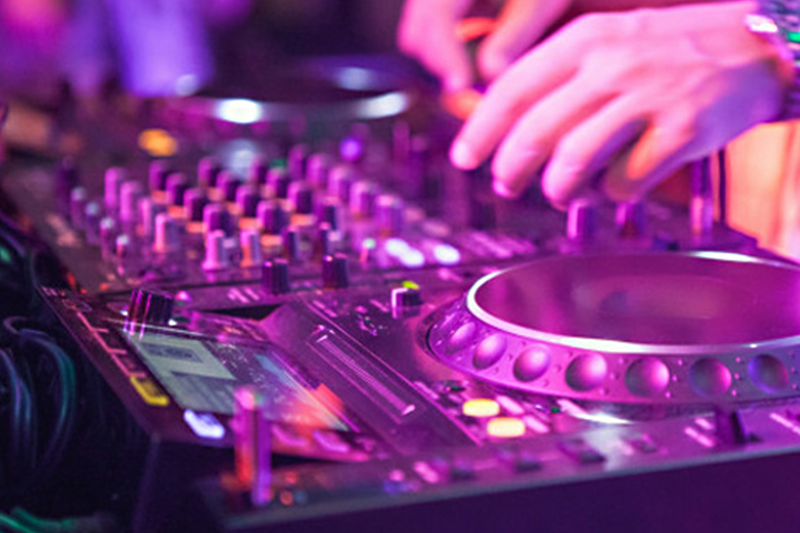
148 307
275 276
334 272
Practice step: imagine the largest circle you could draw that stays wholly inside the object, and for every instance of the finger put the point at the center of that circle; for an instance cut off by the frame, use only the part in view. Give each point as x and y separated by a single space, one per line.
526 81
446 56
659 152
589 147
534 136
427 32
520 24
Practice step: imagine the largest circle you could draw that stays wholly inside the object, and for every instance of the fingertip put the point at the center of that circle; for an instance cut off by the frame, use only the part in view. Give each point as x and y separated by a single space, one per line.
504 190
462 156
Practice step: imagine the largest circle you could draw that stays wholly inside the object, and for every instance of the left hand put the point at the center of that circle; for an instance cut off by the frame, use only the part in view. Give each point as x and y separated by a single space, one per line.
638 93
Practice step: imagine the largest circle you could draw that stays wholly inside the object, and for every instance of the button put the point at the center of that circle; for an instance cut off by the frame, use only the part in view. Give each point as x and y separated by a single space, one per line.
462 471
505 427
462 336
480 408
643 444
149 391
510 405
526 461
489 351
532 362
330 441
580 451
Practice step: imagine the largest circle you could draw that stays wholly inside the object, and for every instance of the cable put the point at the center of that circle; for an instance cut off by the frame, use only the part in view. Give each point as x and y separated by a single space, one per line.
66 403
12 525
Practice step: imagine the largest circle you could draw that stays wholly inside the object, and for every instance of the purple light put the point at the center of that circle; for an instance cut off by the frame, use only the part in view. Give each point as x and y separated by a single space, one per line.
204 425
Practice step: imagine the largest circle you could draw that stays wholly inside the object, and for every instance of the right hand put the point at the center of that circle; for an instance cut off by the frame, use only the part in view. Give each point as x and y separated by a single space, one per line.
427 32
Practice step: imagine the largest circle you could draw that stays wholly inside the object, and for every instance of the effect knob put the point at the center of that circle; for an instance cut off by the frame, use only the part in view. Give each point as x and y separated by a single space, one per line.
275 276
334 272
148 307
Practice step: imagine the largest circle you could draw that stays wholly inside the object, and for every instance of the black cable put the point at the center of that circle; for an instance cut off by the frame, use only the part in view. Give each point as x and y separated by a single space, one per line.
66 403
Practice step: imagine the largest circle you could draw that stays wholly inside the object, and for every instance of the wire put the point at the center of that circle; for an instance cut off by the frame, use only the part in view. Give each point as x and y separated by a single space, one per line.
12 525
66 403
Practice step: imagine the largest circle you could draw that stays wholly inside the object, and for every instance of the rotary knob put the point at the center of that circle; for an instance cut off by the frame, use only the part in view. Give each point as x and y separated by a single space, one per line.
148 307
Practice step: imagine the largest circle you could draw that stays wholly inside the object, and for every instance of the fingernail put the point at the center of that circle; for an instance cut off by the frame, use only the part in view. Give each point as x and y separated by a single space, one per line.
462 156
503 190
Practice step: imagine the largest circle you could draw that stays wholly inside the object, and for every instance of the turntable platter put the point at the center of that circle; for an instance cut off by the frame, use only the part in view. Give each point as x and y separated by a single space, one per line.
654 299
661 327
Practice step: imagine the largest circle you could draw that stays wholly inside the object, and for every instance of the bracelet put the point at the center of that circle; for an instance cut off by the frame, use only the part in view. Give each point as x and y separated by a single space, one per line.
779 22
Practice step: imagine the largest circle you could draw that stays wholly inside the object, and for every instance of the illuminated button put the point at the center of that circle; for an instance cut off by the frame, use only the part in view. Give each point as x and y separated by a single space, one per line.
480 408
505 427
489 351
149 391
204 425
330 441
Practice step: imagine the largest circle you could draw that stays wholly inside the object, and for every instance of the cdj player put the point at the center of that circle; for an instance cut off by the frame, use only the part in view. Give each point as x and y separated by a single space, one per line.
317 323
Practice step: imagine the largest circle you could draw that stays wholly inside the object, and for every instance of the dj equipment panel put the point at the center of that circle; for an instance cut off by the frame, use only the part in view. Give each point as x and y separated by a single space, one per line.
381 342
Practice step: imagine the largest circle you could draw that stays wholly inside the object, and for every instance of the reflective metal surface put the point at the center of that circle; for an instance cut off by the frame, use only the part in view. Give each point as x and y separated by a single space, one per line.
652 299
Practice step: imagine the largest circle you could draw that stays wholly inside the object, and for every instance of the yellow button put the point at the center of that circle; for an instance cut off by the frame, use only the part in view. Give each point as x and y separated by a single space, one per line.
149 391
505 427
480 408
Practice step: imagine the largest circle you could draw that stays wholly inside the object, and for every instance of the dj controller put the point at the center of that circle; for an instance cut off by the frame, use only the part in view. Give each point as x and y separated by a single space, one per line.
319 324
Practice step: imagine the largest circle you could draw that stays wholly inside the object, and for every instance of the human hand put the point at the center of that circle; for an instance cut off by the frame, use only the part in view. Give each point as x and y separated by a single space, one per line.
428 32
637 93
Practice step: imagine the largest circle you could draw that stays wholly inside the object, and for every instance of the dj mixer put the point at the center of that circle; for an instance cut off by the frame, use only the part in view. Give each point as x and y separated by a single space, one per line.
317 322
